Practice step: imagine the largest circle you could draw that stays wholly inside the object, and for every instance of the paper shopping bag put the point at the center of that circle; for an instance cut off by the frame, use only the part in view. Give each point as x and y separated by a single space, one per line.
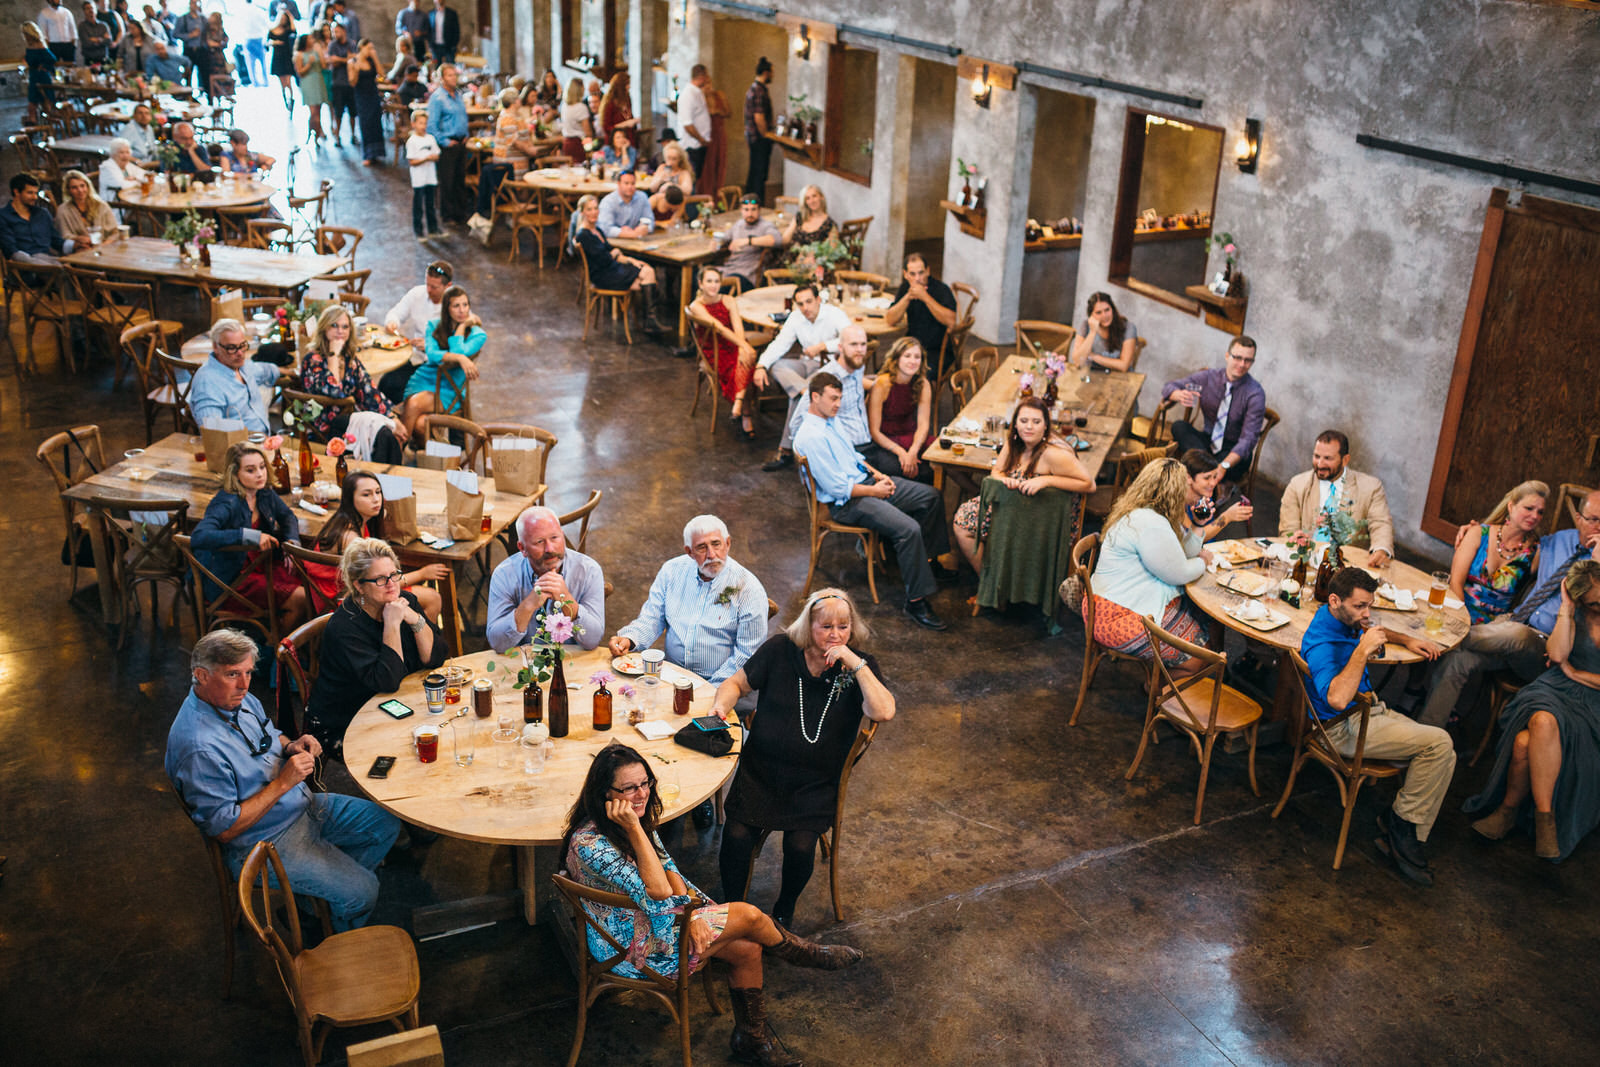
463 506
516 465
228 304
217 438
399 509
439 456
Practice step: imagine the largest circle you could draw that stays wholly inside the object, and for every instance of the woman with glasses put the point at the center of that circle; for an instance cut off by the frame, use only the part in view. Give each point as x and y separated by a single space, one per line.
611 844
332 369
814 688
360 515
247 512
375 637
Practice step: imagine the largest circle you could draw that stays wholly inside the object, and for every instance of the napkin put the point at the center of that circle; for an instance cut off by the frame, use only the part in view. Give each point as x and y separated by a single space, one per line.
1219 562
441 448
1279 552
466 481
654 730
395 486
877 303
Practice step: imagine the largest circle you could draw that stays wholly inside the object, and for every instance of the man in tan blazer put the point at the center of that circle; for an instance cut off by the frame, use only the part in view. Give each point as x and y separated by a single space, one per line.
1331 483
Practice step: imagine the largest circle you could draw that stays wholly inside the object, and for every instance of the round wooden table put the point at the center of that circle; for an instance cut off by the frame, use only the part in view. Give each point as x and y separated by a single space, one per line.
757 306
201 196
1214 600
378 359
492 800
173 109
569 181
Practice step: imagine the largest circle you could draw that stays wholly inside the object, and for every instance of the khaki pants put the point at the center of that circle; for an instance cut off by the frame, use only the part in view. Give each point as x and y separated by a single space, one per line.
1391 735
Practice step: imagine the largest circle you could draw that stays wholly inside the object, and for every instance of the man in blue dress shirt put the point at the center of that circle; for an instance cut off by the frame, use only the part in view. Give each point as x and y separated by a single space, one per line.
447 121
544 576
1338 643
908 514
229 384
243 781
27 229
1231 402
625 211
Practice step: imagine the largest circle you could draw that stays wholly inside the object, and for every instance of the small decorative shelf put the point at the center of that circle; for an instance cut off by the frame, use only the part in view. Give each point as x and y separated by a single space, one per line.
1223 312
973 222
809 154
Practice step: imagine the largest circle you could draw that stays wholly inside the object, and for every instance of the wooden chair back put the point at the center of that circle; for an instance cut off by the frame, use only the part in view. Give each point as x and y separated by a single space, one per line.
621 299
1084 554
139 346
853 235
547 442
879 282
228 606
729 195
270 234
822 524
1268 421
782 276
963 386
299 657
338 241
70 457
355 303
963 291
142 552
297 556
707 371
1037 338
344 405
597 976
179 375
1569 500
581 515
983 362
475 455
49 295
348 281
233 223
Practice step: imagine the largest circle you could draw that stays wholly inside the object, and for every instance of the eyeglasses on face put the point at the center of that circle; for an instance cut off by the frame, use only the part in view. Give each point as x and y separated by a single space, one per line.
384 580
632 790
243 346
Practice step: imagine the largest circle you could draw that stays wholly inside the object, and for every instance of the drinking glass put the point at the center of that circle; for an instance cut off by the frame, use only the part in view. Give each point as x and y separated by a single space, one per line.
535 751
1437 591
463 739
1433 620
669 793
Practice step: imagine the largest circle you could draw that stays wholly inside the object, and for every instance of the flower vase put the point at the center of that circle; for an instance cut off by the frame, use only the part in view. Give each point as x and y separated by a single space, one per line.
308 462
1052 392
184 256
966 193
205 254
557 711
1236 284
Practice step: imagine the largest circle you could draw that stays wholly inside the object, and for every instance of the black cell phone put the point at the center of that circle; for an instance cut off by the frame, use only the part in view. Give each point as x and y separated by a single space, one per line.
380 767
397 708
709 722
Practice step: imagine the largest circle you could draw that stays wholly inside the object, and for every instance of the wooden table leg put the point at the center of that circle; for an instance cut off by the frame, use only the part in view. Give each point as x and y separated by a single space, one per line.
685 281
452 628
96 533
535 865
1286 700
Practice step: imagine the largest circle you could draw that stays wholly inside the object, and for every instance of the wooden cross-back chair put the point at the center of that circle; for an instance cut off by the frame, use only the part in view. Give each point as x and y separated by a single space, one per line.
879 282
234 222
595 298
708 373
271 234
1083 560
348 281
1349 772
299 657
1037 338
156 394
829 838
355 978
338 241
71 456
782 276
142 552
1569 499
179 375
1125 469
227 606
853 235
297 556
983 362
113 307
822 524
731 195
1199 705
546 442
597 977
475 450
47 295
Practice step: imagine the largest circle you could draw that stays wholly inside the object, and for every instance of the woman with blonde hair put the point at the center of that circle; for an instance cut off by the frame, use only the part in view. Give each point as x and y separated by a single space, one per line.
811 224
674 170
813 687
247 512
577 126
331 368
375 637
1497 556
1145 561
83 211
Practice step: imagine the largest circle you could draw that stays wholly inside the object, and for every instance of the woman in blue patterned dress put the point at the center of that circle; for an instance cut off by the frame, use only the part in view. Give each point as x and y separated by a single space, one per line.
1497 556
611 844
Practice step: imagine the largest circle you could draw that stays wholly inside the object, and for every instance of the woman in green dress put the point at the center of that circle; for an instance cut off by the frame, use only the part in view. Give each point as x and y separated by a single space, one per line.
308 66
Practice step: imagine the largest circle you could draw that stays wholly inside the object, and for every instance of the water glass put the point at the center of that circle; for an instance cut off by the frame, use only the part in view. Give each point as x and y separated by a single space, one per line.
464 739
534 754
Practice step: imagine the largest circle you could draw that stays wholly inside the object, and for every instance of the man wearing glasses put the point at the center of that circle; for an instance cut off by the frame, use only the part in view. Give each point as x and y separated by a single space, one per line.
229 385
1231 402
243 781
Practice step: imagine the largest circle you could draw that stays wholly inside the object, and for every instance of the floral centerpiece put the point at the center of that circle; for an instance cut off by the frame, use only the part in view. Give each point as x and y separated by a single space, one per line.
167 154
1342 526
819 260
1048 369
1300 545
1228 281
968 171
189 229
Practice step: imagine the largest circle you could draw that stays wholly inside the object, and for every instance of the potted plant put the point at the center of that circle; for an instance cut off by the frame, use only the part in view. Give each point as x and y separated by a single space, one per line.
967 172
1229 281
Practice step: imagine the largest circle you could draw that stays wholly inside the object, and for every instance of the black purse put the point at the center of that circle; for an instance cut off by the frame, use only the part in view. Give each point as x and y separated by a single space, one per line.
717 742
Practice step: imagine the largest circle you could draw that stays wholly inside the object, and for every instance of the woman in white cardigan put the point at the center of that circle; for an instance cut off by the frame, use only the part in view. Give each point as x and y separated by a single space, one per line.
1146 559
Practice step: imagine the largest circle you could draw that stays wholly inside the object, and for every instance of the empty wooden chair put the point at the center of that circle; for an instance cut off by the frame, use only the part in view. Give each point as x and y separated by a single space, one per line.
47 296
879 282
142 552
1037 339
349 281
338 241
72 456
580 515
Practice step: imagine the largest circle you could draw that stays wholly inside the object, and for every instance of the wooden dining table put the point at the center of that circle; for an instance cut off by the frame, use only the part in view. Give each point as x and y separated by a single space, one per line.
85 144
255 269
685 248
170 106
493 800
111 92
1216 600
1106 402
200 196
168 470
568 181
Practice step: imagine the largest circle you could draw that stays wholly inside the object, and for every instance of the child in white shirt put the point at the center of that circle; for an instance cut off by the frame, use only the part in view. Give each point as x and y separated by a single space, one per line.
422 152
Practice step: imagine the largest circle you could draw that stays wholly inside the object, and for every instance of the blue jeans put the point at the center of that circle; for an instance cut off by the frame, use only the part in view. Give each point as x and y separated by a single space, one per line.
256 49
332 852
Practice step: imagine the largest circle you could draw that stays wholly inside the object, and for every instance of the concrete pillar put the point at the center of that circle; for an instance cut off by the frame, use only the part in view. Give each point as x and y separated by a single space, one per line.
642 15
999 141
505 37
552 9
891 155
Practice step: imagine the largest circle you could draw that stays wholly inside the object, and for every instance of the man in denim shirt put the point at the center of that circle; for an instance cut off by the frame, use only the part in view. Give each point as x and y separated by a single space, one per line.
229 384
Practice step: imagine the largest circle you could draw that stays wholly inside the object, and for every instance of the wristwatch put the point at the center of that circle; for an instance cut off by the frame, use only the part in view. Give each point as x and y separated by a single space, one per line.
1224 465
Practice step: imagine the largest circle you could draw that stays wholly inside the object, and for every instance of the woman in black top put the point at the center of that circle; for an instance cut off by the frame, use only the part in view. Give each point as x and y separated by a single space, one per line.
814 688
364 72
609 268
375 637
281 40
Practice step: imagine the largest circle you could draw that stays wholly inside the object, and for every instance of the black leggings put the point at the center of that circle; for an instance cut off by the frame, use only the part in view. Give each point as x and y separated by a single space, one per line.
738 850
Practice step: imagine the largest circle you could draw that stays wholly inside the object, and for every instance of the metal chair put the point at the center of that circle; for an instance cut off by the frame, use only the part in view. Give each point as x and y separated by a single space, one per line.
1217 708
822 525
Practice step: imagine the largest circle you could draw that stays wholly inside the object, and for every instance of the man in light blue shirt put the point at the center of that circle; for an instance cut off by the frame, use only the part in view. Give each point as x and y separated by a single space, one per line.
447 121
625 211
850 367
713 611
243 781
909 515
544 576
162 62
229 384
140 133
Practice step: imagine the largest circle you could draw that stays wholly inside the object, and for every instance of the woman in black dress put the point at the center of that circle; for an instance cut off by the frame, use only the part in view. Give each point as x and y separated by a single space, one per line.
369 101
281 40
609 268
375 637
813 688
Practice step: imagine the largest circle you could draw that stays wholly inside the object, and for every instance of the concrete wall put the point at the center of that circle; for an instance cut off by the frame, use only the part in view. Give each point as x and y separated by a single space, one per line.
739 43
928 177
1060 155
1360 260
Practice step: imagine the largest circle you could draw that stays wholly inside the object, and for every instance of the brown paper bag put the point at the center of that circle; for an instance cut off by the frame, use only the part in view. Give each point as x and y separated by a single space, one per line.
463 513
437 463
229 305
516 470
400 520
217 443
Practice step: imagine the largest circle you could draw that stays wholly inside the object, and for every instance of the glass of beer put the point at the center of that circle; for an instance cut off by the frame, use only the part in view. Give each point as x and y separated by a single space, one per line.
452 685
1433 619
1436 591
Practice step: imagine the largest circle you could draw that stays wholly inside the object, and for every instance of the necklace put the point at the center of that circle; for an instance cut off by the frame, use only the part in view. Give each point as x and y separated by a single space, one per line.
801 687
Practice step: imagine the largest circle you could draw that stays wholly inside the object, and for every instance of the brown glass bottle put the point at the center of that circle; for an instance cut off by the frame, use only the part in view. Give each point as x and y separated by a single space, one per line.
532 702
558 702
1299 573
1325 572
308 463
602 708
280 472
341 468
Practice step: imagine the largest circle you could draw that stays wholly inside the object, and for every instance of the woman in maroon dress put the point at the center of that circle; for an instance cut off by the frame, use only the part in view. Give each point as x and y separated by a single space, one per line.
719 332
616 110
715 167
900 411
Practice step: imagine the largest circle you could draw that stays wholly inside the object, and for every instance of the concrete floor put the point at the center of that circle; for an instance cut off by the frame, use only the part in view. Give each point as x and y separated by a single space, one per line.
1018 901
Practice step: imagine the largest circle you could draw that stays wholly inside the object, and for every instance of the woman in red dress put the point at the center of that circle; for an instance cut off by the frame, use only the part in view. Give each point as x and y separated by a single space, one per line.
900 411
719 333
360 515
616 110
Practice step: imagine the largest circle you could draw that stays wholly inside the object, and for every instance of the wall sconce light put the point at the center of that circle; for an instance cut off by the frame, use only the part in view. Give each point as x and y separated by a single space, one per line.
981 89
1248 150
802 43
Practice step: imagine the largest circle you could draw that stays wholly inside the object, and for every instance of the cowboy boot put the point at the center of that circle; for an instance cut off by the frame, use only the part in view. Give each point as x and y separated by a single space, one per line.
803 953
751 1042
1497 823
1545 845
647 311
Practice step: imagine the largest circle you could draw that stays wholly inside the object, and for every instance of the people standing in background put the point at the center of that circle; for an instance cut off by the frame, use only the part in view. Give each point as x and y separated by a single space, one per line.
757 124
281 40
576 124
696 117
41 69
189 30
215 55
94 36
412 23
342 93
60 30
250 27
308 66
715 168
422 154
616 110
444 33
364 70
447 121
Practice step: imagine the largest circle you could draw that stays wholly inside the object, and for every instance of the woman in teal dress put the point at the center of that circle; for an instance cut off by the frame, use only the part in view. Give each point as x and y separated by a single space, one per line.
611 844
1550 739
453 342
1495 558
313 86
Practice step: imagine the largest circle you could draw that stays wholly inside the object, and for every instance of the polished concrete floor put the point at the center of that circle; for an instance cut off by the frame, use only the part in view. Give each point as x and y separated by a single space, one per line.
1019 902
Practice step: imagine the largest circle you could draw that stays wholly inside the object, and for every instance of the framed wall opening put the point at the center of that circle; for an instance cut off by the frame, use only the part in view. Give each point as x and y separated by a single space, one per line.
850 115
1057 191
1165 198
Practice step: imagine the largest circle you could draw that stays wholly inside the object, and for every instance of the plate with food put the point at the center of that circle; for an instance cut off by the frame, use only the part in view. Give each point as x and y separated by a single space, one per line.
1237 552
632 663
386 342
1244 582
1396 599
1258 616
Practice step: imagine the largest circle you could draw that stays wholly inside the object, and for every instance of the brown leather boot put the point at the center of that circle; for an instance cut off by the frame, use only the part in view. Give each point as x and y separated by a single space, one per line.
752 1042
803 953
1545 845
1497 823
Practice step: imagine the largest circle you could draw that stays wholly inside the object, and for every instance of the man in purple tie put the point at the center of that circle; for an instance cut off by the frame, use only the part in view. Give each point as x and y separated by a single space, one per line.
1232 404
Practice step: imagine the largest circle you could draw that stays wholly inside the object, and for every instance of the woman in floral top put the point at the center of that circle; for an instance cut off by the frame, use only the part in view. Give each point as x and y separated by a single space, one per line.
332 369
611 844
1496 557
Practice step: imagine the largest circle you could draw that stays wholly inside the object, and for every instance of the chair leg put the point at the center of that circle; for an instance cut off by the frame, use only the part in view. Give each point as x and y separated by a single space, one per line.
1144 742
1288 787
833 876
816 550
1091 660
871 548
1344 826
627 327
1496 703
583 1021
1254 788
1205 772
683 1023
306 1052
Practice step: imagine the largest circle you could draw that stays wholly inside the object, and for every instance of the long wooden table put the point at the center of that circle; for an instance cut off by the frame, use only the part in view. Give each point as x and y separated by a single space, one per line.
1107 397
492 800
112 92
86 144
568 181
1214 600
255 269
174 109
170 472
685 249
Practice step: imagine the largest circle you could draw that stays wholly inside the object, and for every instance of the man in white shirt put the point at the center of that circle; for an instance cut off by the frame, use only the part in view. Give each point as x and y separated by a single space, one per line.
696 117
850 367
409 319
60 30
140 133
815 328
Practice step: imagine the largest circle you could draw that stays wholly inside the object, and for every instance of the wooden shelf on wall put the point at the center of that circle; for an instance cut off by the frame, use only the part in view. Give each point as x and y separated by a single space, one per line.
798 150
1222 312
973 223
1054 241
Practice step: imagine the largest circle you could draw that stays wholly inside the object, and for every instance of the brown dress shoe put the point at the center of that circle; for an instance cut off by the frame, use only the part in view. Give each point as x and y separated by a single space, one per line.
1545 845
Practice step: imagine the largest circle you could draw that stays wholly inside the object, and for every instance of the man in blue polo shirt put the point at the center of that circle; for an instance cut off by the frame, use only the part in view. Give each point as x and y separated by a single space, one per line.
243 781
447 121
1340 640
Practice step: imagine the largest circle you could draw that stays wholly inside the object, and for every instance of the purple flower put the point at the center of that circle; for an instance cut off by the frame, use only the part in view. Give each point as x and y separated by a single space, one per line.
559 627
600 678
627 691
1025 382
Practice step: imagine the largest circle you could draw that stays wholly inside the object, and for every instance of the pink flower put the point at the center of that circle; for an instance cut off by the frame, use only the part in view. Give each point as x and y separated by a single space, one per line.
273 443
1025 382
336 447
349 438
559 627
600 678
627 691
1229 249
